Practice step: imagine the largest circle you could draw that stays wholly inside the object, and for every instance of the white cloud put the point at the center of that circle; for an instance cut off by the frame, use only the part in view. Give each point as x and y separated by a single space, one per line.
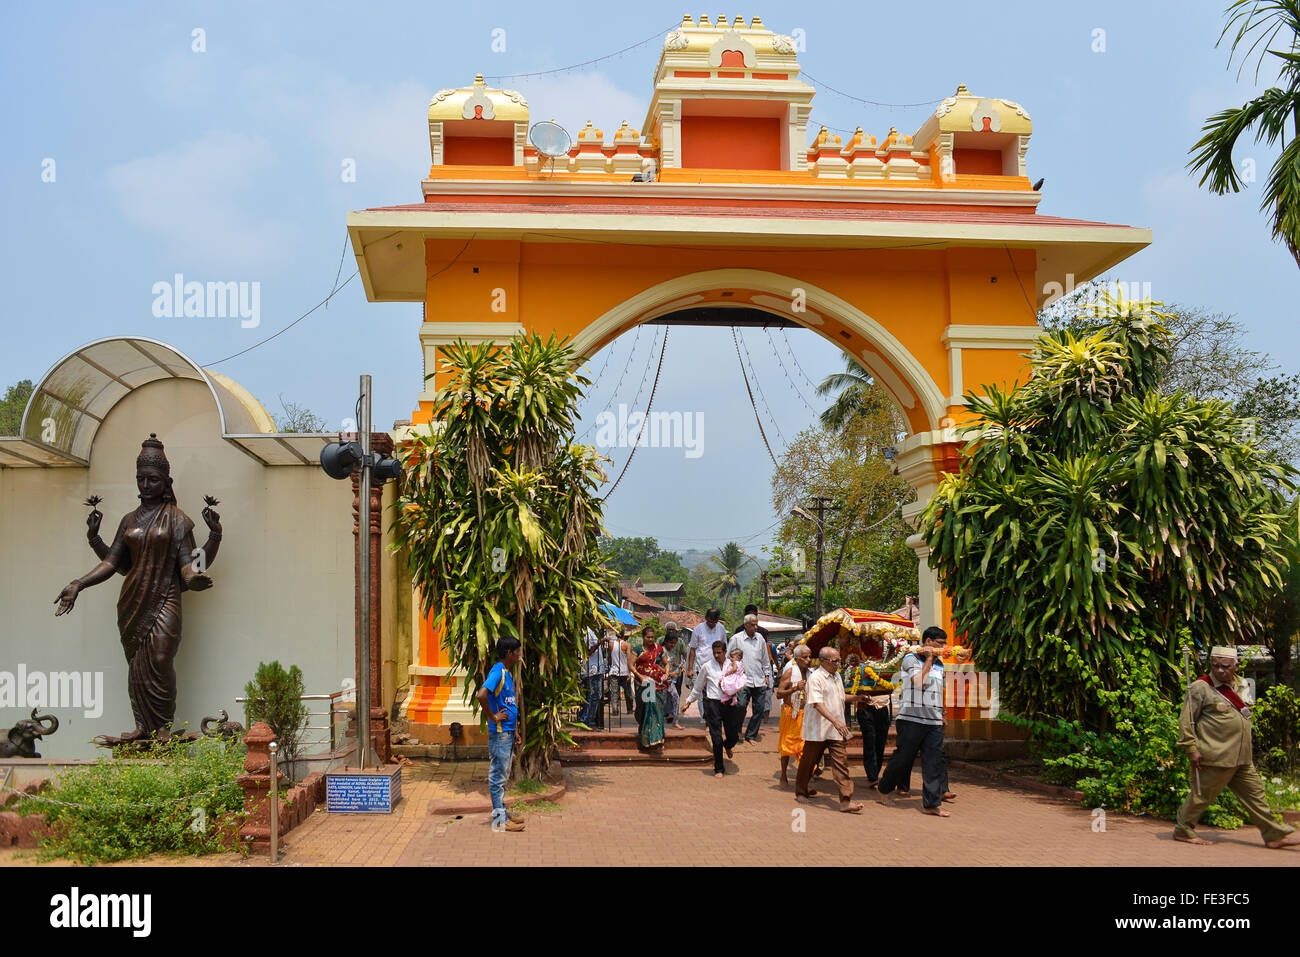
384 130
573 99
190 196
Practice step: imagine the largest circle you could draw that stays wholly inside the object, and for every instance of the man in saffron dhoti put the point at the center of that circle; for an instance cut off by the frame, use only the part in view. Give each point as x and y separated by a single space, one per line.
794 678
1214 729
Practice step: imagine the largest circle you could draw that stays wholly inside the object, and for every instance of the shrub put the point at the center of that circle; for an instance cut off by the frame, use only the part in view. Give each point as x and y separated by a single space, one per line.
275 696
1137 765
1093 507
178 797
1276 729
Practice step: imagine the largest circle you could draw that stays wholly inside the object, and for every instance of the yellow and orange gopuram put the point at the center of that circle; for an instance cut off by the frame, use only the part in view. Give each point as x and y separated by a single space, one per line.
923 256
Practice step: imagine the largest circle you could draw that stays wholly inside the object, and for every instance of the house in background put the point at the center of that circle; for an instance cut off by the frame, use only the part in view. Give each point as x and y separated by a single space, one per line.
671 594
631 597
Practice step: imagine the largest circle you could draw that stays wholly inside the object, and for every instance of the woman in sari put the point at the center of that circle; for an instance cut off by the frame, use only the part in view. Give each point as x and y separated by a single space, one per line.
652 680
154 549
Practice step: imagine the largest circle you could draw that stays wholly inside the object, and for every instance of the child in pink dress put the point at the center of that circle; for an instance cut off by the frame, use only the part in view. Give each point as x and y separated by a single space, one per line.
732 682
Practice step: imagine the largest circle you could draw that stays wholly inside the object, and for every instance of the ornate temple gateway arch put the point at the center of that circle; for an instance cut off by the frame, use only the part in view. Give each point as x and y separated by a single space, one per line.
923 256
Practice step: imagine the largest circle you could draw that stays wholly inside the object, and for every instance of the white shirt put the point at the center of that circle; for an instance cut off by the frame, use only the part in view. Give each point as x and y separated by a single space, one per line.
755 658
702 639
828 690
595 664
708 677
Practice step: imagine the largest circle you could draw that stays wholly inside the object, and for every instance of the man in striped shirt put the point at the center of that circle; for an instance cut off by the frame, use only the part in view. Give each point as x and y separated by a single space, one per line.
920 725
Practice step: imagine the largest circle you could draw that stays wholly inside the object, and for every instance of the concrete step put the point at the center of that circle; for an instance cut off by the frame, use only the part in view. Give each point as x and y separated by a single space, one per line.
631 756
626 739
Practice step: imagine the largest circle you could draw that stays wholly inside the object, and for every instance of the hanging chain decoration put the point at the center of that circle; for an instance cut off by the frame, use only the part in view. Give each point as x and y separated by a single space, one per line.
736 342
636 399
795 359
789 378
805 75
618 384
762 396
586 63
648 406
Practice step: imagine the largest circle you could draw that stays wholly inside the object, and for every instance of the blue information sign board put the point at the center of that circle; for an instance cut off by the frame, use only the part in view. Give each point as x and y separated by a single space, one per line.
358 792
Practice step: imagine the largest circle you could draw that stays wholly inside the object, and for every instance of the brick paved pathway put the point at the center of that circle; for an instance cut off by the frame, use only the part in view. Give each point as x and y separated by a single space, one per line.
751 821
744 818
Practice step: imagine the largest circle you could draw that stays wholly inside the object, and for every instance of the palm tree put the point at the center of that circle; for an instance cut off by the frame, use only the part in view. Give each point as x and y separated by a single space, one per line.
725 585
855 392
1261 21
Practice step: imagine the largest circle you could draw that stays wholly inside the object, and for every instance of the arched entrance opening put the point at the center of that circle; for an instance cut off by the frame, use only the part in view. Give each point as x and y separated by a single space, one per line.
715 296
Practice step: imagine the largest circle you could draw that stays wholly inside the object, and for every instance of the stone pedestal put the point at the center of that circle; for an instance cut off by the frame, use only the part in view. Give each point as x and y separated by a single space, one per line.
256 782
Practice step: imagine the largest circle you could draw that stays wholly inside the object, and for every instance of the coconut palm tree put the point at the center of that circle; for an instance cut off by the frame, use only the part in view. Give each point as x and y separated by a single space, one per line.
725 585
855 394
1276 25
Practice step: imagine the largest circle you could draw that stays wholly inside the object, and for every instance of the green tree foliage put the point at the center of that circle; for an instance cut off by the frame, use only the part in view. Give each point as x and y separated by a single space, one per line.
1093 507
1136 765
866 563
1208 359
642 558
275 696
697 593
1273 25
12 405
500 515
1276 727
855 395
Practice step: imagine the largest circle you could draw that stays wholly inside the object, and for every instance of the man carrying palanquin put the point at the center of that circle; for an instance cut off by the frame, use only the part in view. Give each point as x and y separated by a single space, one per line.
1214 729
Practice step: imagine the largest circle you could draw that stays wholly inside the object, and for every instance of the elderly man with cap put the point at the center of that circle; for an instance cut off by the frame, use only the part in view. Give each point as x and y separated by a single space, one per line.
1214 729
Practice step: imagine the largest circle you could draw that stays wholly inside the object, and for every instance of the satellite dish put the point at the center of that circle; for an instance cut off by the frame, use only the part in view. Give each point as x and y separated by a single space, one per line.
551 139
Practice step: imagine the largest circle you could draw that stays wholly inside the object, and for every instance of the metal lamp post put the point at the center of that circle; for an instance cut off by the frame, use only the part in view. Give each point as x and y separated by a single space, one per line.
340 460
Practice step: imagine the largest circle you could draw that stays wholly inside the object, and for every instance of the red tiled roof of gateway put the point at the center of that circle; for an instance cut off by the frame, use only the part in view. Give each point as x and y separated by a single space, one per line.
881 212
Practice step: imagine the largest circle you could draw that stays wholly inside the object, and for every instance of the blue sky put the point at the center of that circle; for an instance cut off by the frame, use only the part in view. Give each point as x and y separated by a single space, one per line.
225 165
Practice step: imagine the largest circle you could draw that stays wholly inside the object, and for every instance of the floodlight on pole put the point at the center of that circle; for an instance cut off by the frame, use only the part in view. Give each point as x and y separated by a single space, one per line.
801 512
339 460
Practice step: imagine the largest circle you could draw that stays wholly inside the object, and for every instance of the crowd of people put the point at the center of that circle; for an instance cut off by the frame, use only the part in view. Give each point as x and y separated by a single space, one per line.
738 675
733 675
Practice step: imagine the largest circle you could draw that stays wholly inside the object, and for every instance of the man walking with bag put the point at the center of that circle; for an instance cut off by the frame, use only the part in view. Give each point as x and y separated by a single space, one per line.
1214 730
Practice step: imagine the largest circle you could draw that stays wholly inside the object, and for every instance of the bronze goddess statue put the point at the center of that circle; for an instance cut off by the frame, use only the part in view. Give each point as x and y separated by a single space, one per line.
154 549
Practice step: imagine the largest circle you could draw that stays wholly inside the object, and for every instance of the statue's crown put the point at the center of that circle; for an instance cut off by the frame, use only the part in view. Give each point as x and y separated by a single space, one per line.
151 454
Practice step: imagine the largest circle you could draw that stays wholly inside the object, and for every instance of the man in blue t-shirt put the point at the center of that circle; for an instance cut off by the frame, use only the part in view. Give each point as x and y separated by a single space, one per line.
497 699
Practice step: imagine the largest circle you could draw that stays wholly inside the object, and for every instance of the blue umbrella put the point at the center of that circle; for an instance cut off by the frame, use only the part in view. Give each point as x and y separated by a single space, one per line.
621 615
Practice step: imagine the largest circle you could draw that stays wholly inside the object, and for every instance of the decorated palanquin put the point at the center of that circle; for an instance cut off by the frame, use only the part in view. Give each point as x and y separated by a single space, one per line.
874 636
872 645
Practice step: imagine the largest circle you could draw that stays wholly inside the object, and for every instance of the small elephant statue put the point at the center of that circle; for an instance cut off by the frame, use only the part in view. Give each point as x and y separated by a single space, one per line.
21 739
225 728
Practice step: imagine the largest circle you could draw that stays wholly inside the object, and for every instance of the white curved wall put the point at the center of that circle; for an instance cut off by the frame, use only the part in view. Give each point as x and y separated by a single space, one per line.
284 582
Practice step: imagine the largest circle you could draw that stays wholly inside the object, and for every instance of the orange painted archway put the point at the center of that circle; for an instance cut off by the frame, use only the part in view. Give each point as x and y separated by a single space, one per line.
923 256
